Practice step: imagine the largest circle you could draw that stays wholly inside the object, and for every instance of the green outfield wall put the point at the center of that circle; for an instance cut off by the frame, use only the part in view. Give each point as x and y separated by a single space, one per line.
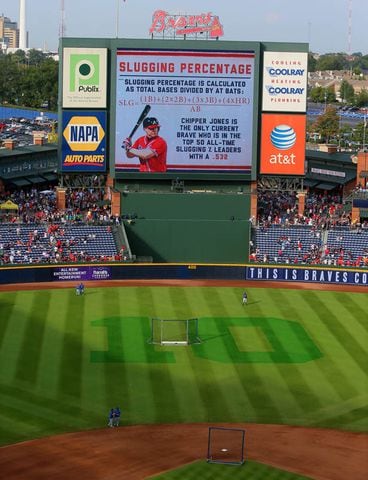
188 227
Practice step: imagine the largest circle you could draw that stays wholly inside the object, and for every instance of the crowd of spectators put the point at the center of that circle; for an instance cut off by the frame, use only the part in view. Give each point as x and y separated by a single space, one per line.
322 214
83 205
302 246
277 208
38 232
325 211
315 253
52 243
47 242
321 210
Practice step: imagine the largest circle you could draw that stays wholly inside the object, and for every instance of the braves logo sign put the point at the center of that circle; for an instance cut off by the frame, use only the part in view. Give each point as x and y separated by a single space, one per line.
186 24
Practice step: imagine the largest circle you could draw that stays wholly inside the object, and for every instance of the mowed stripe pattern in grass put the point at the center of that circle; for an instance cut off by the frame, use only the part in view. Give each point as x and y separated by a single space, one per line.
66 360
250 470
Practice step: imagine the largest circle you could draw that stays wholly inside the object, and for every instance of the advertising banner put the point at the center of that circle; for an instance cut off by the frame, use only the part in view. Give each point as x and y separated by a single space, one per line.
84 77
285 76
307 275
201 101
83 147
78 273
283 144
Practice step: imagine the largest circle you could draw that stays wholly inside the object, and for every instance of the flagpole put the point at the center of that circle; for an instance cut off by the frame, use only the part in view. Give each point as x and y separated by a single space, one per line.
117 17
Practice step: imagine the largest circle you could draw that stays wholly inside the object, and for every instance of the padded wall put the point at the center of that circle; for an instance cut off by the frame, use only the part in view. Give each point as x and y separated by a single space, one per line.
189 227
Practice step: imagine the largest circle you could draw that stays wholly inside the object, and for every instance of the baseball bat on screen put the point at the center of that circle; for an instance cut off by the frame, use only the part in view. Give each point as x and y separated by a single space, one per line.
142 116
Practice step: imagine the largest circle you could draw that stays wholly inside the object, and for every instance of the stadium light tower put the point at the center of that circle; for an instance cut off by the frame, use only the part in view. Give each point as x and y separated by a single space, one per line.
62 20
350 11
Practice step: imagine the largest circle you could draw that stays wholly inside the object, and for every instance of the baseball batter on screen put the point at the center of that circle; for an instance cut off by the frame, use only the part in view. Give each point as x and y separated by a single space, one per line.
151 149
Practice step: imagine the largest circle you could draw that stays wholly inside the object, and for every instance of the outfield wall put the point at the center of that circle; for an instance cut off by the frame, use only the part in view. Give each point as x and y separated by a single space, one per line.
188 227
167 271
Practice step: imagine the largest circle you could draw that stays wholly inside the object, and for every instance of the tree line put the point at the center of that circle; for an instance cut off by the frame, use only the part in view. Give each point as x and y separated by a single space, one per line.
328 128
357 63
347 93
29 79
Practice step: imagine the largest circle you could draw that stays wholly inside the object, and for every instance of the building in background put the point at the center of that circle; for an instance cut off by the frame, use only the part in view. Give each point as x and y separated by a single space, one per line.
9 32
12 37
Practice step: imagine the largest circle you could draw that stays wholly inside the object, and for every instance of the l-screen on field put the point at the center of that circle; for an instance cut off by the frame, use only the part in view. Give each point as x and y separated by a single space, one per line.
288 357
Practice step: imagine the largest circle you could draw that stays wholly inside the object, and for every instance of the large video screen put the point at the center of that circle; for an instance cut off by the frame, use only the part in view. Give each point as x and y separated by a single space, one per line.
197 108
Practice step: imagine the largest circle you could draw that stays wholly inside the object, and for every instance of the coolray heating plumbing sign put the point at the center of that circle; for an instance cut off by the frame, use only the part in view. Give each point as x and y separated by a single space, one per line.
285 81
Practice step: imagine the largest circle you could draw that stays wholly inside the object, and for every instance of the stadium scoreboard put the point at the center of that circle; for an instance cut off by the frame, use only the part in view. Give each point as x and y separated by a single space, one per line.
226 109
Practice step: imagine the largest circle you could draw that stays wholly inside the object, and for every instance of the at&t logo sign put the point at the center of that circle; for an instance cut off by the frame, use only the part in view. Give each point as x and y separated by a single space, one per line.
283 137
283 144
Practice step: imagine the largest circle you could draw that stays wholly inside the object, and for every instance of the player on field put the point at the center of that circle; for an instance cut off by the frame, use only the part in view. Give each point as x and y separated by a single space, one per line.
116 420
111 418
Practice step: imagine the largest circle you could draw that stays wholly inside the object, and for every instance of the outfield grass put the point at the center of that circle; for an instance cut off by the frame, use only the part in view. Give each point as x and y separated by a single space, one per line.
250 471
290 357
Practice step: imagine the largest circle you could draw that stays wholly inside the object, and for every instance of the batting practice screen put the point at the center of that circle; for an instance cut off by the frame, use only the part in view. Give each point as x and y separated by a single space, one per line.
226 445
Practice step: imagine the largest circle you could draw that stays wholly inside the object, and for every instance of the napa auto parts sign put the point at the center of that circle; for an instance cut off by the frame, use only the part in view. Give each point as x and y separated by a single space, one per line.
84 141
283 144
284 81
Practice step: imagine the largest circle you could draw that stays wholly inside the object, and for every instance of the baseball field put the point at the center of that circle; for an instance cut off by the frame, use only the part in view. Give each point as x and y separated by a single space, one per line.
290 357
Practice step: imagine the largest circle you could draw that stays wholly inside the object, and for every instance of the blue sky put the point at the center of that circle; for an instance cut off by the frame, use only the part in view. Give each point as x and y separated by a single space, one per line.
324 24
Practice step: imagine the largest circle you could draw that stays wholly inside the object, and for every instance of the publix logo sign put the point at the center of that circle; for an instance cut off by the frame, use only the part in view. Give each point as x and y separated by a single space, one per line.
84 82
84 73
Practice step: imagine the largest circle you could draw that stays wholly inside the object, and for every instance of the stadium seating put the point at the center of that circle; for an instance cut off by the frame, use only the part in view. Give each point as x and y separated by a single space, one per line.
347 243
84 241
278 244
299 244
